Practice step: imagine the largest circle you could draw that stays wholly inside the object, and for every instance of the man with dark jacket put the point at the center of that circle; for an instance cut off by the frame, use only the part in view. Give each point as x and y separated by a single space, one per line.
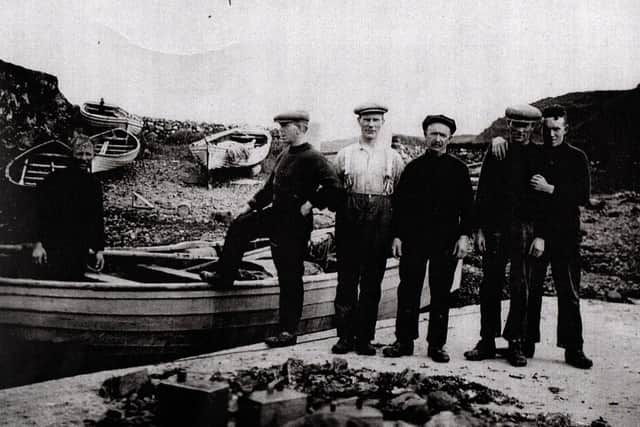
562 179
70 219
301 179
495 205
431 223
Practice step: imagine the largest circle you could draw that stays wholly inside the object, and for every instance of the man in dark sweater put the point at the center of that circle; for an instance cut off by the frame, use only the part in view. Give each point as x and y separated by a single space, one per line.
431 223
70 217
562 179
301 179
496 198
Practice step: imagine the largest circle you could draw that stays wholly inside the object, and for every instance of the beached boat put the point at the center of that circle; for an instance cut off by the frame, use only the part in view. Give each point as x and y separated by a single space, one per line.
114 148
233 148
31 167
152 306
102 115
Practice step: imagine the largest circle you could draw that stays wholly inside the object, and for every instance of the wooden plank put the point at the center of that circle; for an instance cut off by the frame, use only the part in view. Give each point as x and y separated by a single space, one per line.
24 171
58 155
171 271
159 323
107 278
104 147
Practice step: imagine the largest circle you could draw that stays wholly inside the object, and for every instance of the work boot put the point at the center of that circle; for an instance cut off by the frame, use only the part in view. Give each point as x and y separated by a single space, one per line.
283 339
529 349
215 280
343 346
364 348
485 349
515 356
438 354
577 358
398 349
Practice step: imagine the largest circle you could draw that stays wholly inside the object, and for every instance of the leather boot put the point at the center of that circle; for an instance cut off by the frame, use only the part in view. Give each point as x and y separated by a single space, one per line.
576 358
398 349
515 356
343 346
485 349
364 348
438 354
283 339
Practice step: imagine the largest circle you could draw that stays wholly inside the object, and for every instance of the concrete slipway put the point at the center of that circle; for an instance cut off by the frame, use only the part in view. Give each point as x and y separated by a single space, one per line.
611 389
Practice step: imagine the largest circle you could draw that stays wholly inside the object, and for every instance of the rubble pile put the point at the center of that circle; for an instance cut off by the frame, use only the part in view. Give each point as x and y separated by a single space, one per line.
179 132
409 396
32 110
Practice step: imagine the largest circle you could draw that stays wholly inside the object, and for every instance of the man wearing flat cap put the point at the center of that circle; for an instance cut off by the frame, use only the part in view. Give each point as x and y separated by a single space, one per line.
504 215
282 209
369 170
431 223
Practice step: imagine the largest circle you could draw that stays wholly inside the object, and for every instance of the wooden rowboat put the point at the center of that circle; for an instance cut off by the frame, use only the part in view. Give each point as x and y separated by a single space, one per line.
153 306
114 148
31 167
101 115
233 148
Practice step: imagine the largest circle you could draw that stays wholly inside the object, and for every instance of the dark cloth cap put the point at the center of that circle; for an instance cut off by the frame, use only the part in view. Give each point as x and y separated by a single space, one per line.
292 116
370 108
523 113
440 118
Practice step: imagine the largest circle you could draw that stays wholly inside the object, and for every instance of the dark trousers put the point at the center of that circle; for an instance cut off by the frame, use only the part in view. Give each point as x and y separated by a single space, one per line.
66 262
494 263
564 257
288 234
413 266
521 282
363 239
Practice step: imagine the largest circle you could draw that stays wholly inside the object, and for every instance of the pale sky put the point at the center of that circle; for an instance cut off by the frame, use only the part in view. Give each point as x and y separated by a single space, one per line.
244 62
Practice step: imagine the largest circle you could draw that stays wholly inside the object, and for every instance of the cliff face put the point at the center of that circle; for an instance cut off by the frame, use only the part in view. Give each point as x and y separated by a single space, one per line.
604 125
32 110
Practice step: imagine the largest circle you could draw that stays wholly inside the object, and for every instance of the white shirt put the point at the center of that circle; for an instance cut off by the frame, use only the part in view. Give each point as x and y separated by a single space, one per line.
369 168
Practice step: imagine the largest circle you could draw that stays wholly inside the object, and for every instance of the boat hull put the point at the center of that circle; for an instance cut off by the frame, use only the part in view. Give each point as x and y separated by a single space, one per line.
152 321
211 152
107 116
114 148
32 166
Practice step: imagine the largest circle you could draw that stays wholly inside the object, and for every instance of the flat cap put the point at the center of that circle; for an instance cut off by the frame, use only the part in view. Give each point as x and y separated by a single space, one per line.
370 108
292 116
440 118
524 112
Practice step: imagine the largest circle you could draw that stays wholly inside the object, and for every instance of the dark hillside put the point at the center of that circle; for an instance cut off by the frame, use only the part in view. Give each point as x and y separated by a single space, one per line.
605 125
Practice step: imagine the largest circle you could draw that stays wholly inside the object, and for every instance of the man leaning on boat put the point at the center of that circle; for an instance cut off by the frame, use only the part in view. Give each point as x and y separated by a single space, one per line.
282 209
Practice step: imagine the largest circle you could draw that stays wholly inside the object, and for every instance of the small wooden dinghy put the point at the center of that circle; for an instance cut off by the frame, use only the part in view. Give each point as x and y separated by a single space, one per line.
233 148
152 306
114 148
102 115
31 167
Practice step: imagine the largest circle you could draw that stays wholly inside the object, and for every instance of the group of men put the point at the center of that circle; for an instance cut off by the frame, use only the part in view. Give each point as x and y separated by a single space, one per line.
526 211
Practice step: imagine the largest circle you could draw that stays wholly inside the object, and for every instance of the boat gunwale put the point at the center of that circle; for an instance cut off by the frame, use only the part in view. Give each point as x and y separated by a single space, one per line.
134 150
25 154
240 285
128 117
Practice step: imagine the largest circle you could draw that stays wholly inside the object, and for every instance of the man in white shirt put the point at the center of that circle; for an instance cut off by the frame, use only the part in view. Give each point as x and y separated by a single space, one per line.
369 170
